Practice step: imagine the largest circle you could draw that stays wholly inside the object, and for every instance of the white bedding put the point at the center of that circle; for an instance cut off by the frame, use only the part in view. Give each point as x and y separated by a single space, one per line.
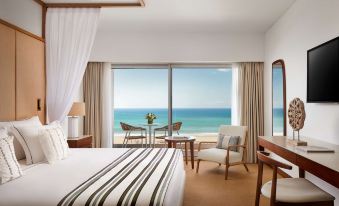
46 184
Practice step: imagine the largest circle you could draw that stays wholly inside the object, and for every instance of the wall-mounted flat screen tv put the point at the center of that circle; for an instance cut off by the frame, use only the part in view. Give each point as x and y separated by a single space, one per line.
323 72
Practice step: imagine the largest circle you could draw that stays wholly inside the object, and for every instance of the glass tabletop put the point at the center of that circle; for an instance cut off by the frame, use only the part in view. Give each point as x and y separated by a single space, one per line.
150 125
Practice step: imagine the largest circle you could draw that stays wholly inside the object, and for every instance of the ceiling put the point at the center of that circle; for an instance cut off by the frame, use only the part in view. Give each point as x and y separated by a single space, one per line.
195 16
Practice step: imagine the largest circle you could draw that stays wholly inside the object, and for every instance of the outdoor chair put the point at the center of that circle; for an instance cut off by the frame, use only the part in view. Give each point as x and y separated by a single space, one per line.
130 134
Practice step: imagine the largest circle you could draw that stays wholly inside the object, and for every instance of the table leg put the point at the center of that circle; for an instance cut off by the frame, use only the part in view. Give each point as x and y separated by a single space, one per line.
192 153
150 136
186 152
169 144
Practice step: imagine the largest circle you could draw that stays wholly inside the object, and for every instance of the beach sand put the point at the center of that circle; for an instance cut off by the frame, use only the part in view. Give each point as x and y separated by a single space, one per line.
118 138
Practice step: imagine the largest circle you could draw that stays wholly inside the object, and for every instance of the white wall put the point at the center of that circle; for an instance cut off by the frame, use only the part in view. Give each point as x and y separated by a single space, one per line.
25 14
176 47
305 25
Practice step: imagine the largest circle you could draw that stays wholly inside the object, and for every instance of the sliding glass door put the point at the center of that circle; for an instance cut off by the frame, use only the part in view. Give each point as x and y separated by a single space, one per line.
195 99
201 100
137 92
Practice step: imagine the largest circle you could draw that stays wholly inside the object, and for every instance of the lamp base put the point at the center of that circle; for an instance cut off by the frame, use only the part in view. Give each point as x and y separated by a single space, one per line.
73 130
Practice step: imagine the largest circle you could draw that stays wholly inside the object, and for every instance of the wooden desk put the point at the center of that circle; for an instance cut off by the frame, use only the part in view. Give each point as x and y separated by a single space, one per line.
323 165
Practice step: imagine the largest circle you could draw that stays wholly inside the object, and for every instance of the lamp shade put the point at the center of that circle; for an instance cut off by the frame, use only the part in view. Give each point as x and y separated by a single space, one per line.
78 109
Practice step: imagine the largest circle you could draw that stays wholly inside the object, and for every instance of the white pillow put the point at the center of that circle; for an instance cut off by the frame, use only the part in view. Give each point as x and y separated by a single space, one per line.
33 121
28 137
3 132
224 141
54 144
9 166
19 151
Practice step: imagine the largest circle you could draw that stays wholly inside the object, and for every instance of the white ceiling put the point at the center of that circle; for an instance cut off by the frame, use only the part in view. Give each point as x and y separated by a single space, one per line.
195 16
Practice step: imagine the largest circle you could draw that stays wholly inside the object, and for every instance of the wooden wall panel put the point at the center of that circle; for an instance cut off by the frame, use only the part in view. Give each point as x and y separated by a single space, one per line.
30 77
7 73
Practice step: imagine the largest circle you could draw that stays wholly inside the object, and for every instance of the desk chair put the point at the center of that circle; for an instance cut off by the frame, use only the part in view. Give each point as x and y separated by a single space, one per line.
288 191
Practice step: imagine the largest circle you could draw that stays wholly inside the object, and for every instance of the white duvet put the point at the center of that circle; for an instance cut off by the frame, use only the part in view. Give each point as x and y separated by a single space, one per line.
46 184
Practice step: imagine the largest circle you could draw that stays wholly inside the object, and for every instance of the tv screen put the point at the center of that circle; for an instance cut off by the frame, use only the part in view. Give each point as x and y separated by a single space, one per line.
323 72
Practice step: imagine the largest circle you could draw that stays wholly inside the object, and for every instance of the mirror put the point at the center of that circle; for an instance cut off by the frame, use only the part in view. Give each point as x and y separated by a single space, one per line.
278 98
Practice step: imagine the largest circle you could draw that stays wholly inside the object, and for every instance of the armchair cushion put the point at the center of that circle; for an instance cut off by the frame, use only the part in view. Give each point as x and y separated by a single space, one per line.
219 155
225 140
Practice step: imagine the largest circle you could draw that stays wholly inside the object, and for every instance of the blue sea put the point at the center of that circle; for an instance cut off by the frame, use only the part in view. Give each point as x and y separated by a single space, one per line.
278 120
200 120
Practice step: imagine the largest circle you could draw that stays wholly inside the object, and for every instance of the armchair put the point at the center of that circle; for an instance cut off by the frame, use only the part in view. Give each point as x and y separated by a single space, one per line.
227 156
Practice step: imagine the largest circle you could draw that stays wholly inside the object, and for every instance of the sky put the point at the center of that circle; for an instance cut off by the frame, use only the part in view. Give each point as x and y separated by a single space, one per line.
192 88
277 85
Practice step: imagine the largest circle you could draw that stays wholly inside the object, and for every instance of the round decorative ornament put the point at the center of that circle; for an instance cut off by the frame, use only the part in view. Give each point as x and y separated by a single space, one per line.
296 115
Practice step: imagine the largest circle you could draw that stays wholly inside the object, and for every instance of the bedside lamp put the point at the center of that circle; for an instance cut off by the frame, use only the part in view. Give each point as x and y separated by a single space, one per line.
77 110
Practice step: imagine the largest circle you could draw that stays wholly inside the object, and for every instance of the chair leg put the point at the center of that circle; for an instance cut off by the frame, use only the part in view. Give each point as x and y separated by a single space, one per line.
153 138
186 153
153 141
198 164
123 143
226 171
246 167
259 183
257 200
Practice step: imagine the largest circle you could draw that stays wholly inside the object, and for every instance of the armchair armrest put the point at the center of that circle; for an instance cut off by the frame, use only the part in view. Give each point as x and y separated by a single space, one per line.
230 146
228 151
205 142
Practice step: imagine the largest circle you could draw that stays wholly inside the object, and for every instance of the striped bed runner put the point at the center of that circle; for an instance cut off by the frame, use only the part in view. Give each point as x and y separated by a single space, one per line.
137 177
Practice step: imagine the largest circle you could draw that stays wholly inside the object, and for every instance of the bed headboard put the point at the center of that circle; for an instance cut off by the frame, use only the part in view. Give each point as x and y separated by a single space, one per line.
22 74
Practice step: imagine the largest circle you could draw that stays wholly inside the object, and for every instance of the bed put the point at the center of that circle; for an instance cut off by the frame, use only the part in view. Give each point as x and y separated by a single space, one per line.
101 177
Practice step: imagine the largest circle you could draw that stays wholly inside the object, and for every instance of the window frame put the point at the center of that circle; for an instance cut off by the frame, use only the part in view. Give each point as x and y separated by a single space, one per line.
170 67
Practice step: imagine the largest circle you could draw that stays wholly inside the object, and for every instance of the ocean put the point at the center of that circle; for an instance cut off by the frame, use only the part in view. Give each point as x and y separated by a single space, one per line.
278 121
202 120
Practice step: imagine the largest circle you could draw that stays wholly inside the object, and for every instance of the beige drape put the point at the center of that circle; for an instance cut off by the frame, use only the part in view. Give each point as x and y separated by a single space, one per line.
98 119
93 98
252 114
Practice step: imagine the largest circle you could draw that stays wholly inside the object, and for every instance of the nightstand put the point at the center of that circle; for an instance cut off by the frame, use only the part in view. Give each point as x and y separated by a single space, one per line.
81 142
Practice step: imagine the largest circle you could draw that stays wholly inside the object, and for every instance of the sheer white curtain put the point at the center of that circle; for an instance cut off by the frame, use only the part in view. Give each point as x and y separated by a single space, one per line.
237 90
70 35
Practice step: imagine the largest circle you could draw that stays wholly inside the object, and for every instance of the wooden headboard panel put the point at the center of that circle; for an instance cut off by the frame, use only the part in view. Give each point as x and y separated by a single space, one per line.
22 74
